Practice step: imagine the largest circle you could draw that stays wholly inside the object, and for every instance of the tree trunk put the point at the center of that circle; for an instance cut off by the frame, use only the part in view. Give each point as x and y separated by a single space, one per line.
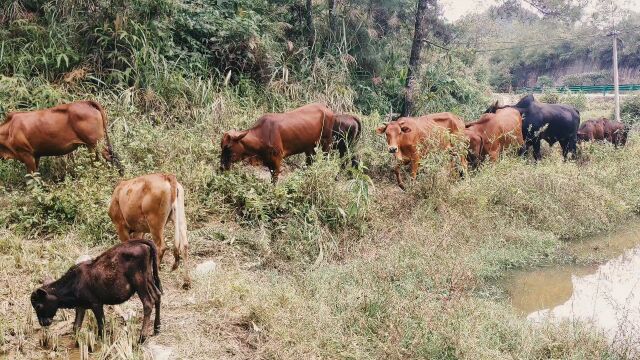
311 32
414 58
332 17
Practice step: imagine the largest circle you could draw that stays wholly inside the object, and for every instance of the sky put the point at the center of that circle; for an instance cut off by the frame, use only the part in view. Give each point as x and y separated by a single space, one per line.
455 9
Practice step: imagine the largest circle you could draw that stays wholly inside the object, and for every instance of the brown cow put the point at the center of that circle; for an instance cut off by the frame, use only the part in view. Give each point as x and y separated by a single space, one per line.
27 136
144 205
110 279
346 133
275 136
493 133
405 134
603 129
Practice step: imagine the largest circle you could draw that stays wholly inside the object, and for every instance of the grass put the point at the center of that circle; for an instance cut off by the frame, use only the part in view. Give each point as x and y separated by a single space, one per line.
312 267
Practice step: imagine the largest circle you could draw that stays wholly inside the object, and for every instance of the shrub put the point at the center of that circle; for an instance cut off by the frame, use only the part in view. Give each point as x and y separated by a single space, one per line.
578 100
630 109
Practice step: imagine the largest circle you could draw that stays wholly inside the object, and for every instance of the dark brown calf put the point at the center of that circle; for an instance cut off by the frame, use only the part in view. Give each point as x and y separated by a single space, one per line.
28 136
603 129
110 279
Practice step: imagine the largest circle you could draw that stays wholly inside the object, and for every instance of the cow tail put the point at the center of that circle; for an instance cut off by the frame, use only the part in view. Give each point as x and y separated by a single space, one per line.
356 135
154 263
115 159
181 243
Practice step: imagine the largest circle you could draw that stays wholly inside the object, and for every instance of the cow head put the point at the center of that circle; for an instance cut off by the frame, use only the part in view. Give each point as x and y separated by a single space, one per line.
582 136
394 132
232 148
45 304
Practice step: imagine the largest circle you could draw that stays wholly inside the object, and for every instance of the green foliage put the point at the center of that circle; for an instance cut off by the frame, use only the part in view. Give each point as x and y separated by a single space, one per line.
44 209
577 100
588 79
544 81
630 109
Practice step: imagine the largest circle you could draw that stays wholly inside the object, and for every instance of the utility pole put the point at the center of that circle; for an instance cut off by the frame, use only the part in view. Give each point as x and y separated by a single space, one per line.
616 82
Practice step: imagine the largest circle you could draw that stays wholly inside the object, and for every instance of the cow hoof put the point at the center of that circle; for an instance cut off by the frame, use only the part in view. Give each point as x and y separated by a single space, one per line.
187 284
142 339
156 330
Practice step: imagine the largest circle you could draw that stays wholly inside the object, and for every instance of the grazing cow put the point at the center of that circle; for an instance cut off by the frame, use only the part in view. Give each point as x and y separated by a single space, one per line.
144 205
275 136
110 279
603 129
406 134
550 122
493 133
346 133
27 136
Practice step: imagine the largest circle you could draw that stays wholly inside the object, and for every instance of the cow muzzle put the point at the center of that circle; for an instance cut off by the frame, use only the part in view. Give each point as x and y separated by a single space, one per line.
393 149
44 321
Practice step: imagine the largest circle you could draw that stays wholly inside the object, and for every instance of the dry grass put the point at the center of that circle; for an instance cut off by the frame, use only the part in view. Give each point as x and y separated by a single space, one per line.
405 276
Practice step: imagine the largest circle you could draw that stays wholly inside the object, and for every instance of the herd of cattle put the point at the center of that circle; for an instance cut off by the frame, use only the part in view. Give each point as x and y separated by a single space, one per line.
145 204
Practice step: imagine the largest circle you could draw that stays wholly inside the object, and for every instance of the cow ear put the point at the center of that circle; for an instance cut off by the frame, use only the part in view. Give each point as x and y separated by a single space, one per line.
382 128
236 135
41 293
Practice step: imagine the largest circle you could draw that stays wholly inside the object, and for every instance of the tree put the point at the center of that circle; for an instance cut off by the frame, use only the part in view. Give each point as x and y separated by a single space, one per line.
569 11
332 16
311 32
414 57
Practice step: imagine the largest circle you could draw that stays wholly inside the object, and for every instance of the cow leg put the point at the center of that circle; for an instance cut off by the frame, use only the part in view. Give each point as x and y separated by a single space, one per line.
147 308
536 150
29 161
396 170
123 232
98 311
274 166
415 163
157 234
309 157
494 155
156 322
568 147
77 323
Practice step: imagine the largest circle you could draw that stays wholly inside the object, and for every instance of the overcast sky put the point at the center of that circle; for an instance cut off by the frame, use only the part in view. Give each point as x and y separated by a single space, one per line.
455 9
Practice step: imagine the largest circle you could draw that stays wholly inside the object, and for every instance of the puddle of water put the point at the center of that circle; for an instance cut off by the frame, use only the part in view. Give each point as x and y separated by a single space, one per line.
606 295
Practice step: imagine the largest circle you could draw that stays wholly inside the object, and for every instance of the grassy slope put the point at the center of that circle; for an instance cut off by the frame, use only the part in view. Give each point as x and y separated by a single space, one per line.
332 273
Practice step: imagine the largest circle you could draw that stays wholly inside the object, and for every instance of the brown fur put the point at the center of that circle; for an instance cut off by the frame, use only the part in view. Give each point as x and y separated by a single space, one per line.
493 133
110 279
144 205
405 134
28 136
346 133
603 129
276 136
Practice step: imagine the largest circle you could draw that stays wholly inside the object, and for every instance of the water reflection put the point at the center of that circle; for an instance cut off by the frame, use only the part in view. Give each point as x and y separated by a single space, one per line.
606 295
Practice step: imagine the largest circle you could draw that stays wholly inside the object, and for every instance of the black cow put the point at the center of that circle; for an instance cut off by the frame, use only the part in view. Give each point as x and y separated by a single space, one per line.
550 122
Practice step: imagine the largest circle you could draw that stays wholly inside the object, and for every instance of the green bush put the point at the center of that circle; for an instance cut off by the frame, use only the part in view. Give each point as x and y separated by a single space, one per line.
630 109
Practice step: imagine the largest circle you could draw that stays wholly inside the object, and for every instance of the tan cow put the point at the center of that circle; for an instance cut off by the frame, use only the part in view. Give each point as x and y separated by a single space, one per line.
406 134
27 136
143 205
